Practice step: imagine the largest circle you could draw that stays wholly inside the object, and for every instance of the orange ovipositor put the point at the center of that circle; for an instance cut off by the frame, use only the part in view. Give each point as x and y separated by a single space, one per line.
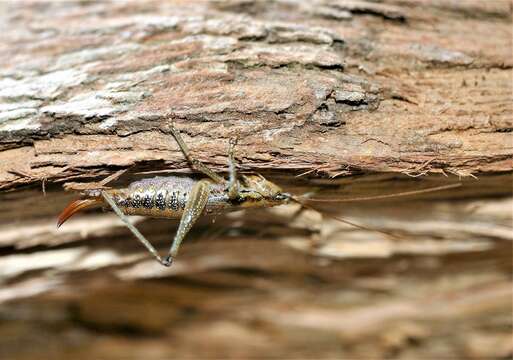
75 207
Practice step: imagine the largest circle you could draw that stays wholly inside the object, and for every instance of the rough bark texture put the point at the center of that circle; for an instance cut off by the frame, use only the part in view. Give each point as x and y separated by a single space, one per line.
350 98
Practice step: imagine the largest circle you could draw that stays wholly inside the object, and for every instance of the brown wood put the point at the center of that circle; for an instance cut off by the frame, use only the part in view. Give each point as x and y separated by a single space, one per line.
351 98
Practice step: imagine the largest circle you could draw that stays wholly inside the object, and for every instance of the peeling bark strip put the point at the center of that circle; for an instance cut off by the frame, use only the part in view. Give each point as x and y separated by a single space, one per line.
347 98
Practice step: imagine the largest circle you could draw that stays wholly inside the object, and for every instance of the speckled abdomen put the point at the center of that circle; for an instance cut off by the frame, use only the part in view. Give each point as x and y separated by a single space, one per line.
163 197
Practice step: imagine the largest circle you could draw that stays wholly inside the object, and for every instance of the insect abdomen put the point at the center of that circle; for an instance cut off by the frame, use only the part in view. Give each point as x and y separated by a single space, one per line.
158 197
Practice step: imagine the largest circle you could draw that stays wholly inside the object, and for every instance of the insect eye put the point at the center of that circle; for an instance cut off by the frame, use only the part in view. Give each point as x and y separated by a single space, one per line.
282 196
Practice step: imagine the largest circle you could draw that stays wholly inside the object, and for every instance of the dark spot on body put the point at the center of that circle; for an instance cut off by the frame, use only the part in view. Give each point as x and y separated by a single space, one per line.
172 200
183 202
121 201
136 201
160 200
147 201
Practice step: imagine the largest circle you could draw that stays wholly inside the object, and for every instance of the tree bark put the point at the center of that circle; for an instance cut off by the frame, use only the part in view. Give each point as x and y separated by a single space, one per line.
346 99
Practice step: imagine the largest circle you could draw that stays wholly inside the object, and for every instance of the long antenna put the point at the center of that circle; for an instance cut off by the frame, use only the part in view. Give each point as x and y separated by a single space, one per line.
404 193
344 220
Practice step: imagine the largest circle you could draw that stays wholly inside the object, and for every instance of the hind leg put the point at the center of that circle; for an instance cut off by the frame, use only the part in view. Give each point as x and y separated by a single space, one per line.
193 210
131 227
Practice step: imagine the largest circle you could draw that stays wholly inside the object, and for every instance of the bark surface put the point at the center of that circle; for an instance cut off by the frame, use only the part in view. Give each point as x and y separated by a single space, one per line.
348 99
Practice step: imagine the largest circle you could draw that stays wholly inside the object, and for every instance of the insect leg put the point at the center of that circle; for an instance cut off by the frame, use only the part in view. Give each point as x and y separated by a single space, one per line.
193 209
131 227
233 184
198 165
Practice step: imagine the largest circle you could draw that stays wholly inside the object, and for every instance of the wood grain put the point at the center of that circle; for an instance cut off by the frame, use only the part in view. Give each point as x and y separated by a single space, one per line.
350 98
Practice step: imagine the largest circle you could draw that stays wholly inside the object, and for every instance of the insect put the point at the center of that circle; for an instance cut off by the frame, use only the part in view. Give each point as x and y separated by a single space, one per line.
187 199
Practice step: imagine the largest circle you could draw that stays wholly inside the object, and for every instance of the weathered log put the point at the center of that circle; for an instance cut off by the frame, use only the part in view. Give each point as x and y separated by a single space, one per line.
348 99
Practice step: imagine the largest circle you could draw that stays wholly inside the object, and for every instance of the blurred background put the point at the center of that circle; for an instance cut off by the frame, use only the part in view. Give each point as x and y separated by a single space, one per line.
264 283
